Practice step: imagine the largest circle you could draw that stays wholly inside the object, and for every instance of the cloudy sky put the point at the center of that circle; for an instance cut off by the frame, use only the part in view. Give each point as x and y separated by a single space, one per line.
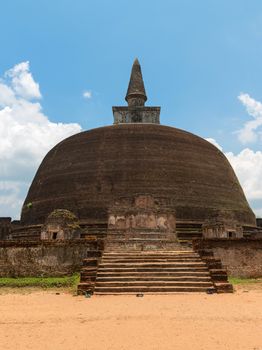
63 64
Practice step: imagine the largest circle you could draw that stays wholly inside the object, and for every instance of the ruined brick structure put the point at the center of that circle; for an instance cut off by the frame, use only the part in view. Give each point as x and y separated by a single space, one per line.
137 186
88 172
61 224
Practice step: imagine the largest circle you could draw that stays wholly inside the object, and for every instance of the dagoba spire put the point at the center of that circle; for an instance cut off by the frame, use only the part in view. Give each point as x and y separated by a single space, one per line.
136 111
136 93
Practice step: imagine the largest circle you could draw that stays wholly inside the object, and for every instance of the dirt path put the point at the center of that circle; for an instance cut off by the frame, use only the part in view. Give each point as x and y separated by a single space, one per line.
44 320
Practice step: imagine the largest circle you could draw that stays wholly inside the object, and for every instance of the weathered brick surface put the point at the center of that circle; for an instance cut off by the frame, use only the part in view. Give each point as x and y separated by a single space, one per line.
86 173
241 257
46 258
5 227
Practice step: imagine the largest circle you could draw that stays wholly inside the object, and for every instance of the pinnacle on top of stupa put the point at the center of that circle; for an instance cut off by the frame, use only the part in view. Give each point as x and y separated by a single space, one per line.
136 94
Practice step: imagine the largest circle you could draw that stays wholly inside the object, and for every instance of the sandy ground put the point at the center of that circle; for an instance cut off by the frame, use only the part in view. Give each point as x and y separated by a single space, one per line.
45 320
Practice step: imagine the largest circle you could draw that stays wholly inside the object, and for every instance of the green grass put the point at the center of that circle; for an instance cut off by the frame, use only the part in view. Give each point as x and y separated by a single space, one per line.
41 282
237 280
72 281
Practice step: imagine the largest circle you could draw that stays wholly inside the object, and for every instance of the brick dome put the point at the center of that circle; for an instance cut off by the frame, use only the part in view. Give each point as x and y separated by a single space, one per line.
87 172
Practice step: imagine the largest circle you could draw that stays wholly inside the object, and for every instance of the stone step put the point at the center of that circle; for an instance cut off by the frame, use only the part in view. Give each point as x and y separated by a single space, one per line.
149 274
142 239
140 233
146 257
189 229
155 262
142 248
153 278
186 235
188 232
205 253
152 254
214 264
219 275
188 224
143 245
153 270
218 271
151 265
151 289
223 287
161 284
142 254
148 253
97 235
148 260
96 229
84 287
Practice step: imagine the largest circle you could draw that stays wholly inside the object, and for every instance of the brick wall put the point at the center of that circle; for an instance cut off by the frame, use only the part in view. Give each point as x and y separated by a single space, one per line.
47 258
241 257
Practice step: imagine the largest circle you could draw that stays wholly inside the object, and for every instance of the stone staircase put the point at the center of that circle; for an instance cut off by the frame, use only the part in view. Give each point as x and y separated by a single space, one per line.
188 231
98 230
152 262
217 272
152 272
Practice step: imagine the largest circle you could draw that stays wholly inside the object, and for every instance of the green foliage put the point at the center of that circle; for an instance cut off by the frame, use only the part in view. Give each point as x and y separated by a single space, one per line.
42 282
65 218
237 280
63 213
74 226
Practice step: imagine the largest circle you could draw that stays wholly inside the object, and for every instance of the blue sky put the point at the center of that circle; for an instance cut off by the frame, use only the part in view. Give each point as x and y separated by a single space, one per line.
197 57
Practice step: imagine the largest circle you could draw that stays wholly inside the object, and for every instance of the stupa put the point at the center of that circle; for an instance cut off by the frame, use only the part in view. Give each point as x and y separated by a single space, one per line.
98 174
143 192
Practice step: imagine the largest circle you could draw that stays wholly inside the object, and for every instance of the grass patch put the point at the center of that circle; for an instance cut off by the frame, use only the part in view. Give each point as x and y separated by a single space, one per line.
237 280
41 282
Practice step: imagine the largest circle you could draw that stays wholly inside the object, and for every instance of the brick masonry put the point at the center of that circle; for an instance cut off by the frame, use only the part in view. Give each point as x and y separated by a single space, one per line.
44 258
5 227
241 257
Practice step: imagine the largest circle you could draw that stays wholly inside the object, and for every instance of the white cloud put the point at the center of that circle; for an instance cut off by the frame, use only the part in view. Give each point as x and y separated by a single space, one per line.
22 81
213 141
259 212
248 167
87 94
26 135
11 196
7 95
252 130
